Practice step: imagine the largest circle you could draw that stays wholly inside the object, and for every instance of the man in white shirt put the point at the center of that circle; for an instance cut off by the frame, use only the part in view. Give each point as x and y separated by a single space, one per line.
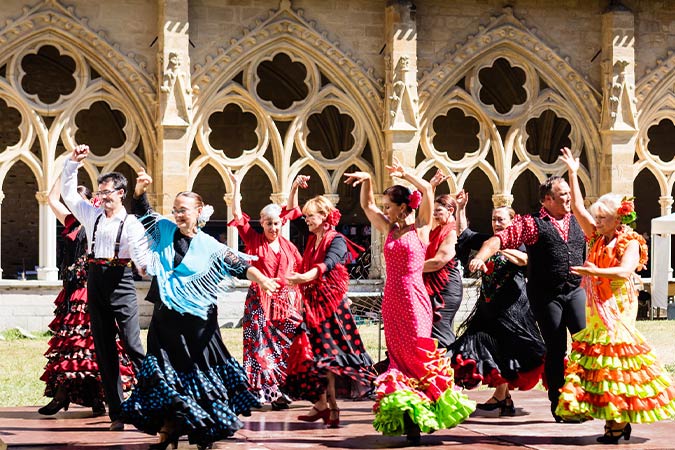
114 240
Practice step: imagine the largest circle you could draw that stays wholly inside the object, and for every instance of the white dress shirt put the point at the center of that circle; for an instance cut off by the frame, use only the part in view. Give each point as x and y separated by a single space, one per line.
133 243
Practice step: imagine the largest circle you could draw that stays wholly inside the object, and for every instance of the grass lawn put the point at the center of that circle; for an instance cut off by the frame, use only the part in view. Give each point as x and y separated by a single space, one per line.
22 361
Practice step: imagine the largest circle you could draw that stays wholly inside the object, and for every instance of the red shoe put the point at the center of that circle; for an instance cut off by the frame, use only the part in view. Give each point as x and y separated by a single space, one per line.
333 418
324 414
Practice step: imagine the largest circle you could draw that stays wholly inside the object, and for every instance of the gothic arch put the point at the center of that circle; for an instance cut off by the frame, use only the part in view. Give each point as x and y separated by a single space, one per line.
286 31
33 164
51 23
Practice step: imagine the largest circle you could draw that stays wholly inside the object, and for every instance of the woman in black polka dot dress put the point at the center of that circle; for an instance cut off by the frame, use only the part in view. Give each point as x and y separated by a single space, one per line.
189 384
331 348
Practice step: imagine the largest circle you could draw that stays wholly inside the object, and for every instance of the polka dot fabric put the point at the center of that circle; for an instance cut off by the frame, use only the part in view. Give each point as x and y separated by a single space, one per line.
419 380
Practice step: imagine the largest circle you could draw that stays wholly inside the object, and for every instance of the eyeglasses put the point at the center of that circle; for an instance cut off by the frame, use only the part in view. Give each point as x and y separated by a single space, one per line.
106 192
180 212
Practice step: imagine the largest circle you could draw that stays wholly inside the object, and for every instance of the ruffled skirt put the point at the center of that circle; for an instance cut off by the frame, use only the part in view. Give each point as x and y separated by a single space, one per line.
615 376
431 401
266 345
71 360
335 347
189 379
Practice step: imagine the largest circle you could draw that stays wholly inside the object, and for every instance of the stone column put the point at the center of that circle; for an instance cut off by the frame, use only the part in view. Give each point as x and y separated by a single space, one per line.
499 200
47 269
2 197
175 103
666 203
618 125
400 123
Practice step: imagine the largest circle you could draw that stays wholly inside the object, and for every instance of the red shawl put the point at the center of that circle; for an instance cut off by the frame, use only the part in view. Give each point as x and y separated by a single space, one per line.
322 295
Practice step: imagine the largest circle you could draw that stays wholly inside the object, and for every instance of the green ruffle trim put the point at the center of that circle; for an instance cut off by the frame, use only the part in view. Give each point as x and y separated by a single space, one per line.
613 362
451 409
602 336
647 390
570 408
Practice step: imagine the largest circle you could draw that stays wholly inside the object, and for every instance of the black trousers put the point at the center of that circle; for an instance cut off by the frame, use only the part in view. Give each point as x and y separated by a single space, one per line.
113 309
555 315
451 298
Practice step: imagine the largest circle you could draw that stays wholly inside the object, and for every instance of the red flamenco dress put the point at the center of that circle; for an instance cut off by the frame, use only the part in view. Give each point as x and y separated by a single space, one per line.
270 321
71 365
418 386
612 373
329 339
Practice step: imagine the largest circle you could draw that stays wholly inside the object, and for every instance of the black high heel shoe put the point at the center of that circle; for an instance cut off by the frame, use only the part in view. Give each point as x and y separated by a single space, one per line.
169 438
98 409
54 406
498 404
508 408
612 436
413 432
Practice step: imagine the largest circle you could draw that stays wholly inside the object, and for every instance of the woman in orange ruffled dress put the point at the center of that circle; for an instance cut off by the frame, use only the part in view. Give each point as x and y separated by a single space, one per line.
416 393
612 373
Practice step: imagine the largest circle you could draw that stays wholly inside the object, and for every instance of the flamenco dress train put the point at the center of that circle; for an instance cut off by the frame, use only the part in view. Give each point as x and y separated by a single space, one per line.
612 373
419 380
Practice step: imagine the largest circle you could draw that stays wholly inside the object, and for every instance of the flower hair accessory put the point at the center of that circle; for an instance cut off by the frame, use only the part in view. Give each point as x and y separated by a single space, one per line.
204 216
626 212
414 199
333 217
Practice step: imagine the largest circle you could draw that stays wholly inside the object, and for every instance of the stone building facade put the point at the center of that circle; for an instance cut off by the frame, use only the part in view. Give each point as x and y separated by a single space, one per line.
487 91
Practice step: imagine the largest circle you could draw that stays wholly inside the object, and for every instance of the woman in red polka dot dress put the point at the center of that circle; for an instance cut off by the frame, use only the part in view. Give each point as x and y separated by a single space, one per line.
330 345
416 393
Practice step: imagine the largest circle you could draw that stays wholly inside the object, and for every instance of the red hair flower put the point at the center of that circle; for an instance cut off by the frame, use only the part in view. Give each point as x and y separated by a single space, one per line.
414 199
333 217
626 212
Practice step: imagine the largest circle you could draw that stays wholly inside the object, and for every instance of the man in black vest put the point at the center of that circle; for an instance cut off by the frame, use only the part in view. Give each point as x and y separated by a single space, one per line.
114 240
554 242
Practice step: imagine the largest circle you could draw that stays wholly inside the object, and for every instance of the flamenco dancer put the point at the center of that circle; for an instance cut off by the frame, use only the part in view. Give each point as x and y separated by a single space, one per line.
270 322
328 347
499 344
612 373
188 383
416 393
71 374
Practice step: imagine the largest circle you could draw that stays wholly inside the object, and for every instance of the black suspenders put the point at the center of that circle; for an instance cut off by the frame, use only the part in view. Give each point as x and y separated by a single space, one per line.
117 240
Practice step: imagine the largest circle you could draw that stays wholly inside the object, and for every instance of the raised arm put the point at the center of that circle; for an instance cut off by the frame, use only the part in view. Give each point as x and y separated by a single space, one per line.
83 211
367 198
438 178
140 205
584 218
236 195
462 198
426 208
299 182
59 209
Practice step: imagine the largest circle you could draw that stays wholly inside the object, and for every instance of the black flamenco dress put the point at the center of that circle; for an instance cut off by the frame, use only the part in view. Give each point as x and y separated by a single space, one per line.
188 377
328 340
499 342
71 364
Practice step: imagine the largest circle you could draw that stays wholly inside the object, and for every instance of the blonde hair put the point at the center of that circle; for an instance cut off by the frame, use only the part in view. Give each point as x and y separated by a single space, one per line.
608 204
318 204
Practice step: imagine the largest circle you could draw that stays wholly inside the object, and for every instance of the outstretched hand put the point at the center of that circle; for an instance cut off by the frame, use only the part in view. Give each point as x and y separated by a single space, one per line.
462 198
80 153
588 269
356 178
396 169
476 265
143 180
301 181
438 178
570 161
269 285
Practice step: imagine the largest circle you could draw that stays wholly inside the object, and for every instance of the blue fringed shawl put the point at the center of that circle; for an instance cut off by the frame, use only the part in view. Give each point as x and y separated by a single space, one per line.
205 271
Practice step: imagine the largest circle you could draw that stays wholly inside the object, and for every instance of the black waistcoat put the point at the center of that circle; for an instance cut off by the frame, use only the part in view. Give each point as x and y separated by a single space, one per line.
550 259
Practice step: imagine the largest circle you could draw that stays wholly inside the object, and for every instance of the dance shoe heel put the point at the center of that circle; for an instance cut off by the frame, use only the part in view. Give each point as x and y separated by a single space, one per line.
333 419
612 436
53 407
324 415
498 404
